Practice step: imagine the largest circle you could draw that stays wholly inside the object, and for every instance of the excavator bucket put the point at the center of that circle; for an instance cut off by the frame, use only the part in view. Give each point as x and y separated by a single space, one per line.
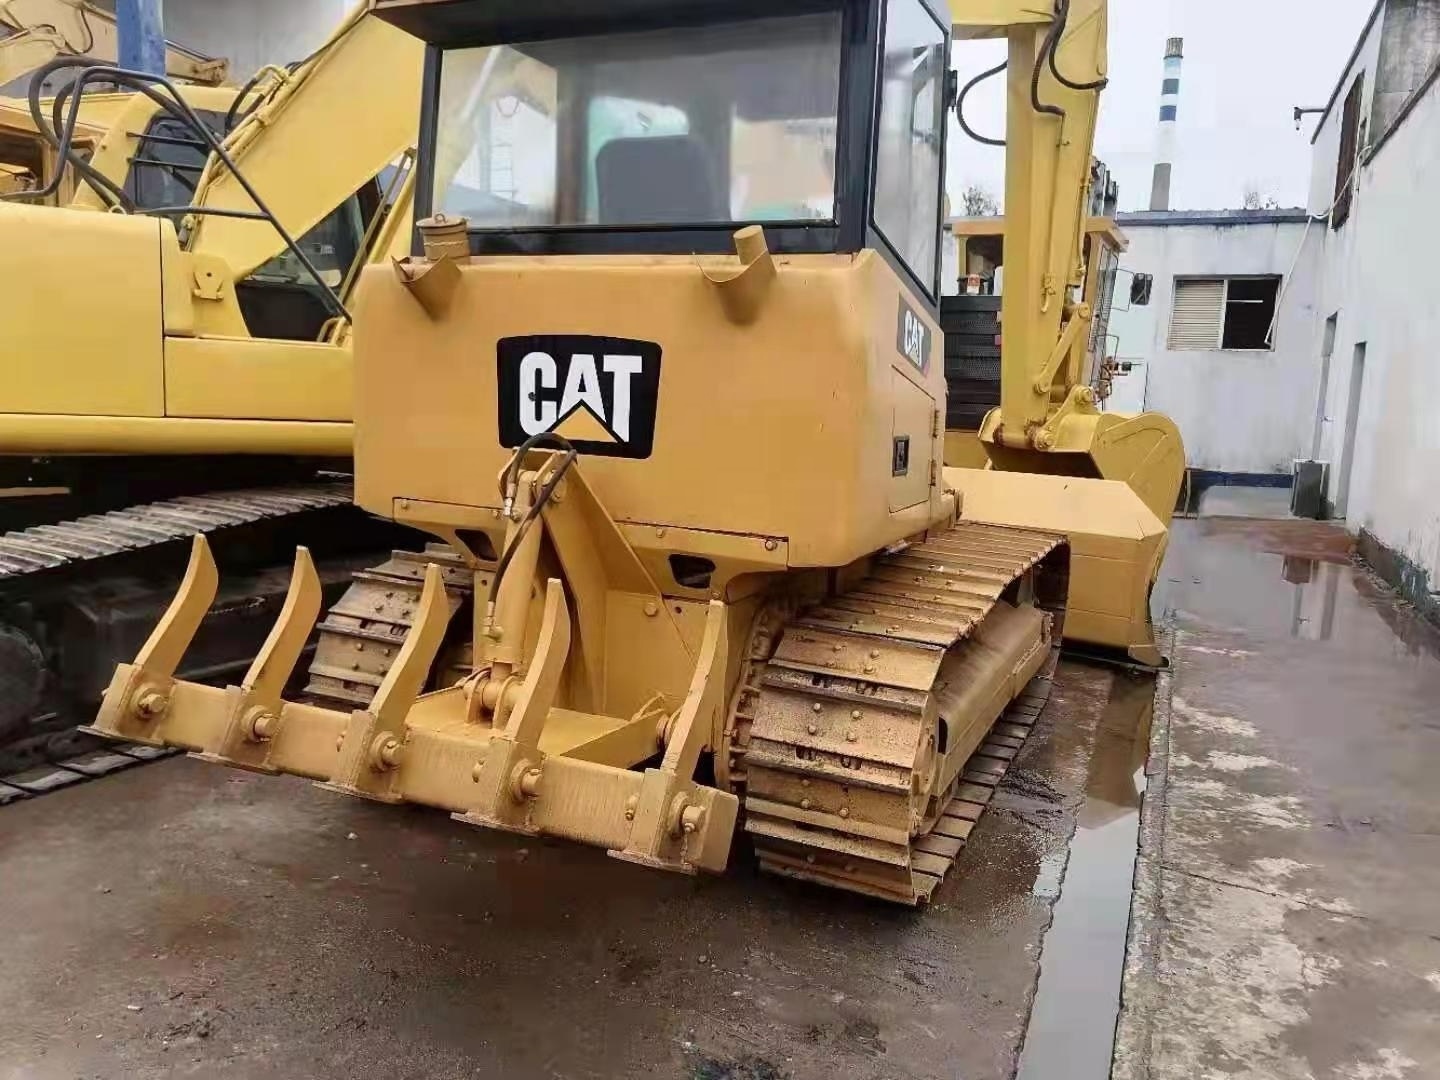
509 747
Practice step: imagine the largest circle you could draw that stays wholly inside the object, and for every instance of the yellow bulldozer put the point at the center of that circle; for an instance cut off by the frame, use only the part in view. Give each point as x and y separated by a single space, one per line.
665 380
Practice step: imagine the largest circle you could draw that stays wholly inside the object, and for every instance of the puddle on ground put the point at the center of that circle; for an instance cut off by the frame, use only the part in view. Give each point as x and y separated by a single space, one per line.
1071 1032
1284 578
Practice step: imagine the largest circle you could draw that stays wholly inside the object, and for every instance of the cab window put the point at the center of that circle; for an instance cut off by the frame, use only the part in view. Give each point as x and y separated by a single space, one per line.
169 158
696 125
22 162
908 163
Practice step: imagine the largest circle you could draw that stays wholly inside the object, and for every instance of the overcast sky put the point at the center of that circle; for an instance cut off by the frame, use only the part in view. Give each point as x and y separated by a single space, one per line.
1248 63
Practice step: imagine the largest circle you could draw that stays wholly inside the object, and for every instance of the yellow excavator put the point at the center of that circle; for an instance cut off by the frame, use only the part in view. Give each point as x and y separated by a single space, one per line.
665 380
1108 480
34 32
183 361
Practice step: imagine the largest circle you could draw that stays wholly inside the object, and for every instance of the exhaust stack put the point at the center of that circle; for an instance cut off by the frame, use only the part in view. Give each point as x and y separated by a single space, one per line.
1169 106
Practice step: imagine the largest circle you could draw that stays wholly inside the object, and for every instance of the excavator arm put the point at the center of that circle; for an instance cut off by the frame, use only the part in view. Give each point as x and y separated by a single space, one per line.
294 131
297 143
1057 63
314 125
34 32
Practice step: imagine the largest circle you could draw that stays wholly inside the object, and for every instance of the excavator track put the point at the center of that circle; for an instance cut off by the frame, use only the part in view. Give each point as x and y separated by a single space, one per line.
77 769
97 536
72 590
863 745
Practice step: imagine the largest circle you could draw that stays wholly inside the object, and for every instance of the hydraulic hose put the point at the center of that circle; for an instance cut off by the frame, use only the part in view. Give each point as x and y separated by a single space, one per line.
1047 56
1062 16
510 479
960 105
1052 39
232 115
109 193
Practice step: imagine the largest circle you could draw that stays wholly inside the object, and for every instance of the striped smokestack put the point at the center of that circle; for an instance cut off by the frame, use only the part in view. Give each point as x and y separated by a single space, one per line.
1169 105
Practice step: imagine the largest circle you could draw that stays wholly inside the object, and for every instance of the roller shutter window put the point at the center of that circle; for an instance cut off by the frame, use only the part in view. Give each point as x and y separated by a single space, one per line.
1197 314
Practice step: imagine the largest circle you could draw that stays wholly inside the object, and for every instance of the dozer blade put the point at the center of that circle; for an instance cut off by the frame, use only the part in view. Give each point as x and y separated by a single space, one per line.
659 818
541 769
1116 544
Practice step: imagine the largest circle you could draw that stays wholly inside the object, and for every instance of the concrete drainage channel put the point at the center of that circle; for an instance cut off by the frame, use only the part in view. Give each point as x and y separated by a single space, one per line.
1073 1017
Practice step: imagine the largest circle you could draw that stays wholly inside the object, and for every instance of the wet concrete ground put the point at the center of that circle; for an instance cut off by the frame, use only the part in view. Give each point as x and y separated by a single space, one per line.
1285 922
185 920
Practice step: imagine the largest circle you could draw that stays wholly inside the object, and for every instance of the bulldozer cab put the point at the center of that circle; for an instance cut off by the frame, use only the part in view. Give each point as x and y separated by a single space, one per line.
674 217
660 129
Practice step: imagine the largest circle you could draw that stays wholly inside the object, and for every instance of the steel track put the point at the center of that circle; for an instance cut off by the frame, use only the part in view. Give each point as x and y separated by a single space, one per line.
98 536
832 742
77 769
44 560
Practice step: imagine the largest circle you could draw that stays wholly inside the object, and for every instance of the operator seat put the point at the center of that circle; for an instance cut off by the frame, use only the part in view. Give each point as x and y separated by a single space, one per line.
657 180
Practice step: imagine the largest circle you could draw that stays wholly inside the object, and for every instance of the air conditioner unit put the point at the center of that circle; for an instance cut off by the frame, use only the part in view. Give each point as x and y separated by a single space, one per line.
1307 495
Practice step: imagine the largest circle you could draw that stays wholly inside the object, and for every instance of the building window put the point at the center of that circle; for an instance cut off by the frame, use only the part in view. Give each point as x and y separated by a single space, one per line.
1223 313
1349 159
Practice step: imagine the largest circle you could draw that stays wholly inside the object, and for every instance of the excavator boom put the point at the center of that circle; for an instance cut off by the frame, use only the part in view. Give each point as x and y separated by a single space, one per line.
1050 136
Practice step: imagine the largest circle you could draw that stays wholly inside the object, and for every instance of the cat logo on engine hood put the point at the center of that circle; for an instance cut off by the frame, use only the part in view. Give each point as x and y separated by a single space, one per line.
600 393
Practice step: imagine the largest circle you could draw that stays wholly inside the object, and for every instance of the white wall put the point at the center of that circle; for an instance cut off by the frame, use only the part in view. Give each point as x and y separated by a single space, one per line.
1380 279
1238 411
251 33
1325 144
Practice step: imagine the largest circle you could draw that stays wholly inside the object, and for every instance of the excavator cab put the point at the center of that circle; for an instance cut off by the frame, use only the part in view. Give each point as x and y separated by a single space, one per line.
665 376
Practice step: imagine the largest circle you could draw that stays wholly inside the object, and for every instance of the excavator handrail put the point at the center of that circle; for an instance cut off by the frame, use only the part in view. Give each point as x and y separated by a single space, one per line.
287 99
176 106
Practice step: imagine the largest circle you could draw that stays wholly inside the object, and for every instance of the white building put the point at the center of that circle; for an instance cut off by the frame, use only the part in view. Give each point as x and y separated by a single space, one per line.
1349 292
1209 349
1376 176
